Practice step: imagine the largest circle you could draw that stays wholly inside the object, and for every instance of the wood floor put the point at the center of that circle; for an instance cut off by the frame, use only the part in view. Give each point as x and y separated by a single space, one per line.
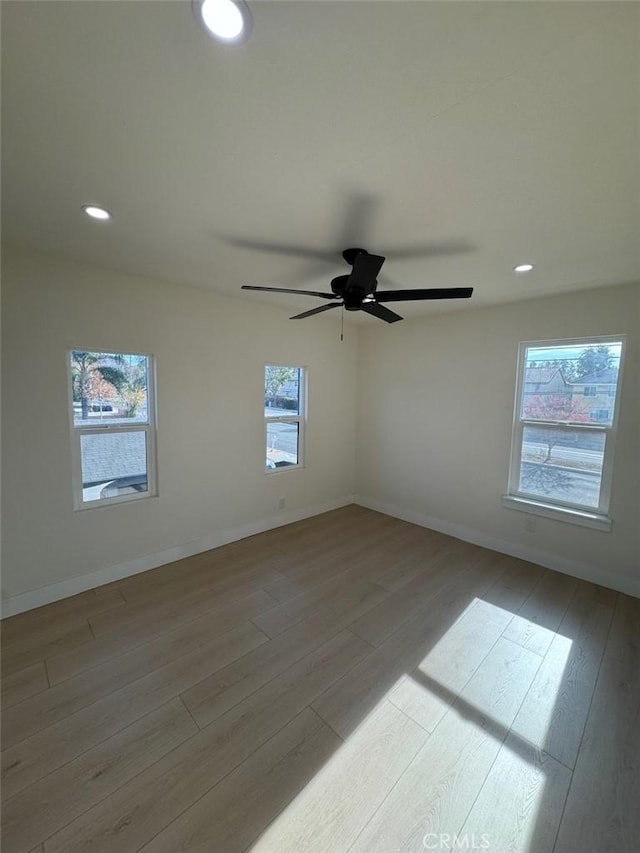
347 683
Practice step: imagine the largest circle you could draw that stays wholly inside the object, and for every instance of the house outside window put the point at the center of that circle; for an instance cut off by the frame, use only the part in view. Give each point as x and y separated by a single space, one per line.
113 435
564 428
285 414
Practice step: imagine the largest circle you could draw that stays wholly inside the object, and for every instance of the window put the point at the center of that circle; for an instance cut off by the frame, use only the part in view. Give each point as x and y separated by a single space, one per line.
112 427
284 413
562 447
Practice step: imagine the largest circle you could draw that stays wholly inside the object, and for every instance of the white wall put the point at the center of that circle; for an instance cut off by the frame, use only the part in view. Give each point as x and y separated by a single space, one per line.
434 428
433 424
210 355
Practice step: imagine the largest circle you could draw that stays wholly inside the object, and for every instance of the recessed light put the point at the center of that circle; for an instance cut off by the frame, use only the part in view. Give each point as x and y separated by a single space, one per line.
96 212
227 21
523 268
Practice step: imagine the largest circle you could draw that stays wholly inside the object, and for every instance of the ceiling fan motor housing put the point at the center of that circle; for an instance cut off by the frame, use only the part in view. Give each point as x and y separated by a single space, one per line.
352 296
353 300
338 284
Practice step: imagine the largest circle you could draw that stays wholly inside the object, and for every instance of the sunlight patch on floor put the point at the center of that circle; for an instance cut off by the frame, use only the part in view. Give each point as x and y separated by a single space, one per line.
328 814
537 715
450 664
392 781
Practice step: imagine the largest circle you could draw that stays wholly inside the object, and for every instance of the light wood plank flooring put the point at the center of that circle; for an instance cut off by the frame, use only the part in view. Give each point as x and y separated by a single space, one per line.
347 683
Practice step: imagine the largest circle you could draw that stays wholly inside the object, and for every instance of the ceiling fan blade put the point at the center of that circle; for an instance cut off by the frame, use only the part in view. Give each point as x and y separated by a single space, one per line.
432 293
289 290
284 249
380 312
430 250
358 219
316 311
365 272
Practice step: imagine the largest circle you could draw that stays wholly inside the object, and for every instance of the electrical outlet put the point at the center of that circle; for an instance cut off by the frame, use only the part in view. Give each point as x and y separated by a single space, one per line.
530 523
282 503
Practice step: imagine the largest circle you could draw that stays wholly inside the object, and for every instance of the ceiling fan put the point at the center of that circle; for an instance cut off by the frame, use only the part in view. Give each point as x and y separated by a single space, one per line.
357 291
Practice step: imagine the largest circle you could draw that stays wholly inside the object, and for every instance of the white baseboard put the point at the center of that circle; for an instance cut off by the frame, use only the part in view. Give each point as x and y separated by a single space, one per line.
583 571
73 586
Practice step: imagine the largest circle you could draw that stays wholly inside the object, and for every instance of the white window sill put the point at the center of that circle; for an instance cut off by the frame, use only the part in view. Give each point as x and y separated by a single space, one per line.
271 472
572 516
103 503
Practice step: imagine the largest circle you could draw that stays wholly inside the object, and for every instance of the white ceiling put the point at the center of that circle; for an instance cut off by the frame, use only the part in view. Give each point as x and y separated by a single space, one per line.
507 129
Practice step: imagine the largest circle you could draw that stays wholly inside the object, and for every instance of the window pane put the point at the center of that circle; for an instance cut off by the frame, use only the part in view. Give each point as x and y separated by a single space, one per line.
282 444
565 465
113 464
109 388
573 383
281 391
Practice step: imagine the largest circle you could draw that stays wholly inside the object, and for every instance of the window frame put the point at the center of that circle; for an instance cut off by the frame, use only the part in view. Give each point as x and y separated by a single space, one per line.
300 418
149 429
596 517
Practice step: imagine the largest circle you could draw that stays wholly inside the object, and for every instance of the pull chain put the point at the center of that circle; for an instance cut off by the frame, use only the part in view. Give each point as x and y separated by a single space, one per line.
342 323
